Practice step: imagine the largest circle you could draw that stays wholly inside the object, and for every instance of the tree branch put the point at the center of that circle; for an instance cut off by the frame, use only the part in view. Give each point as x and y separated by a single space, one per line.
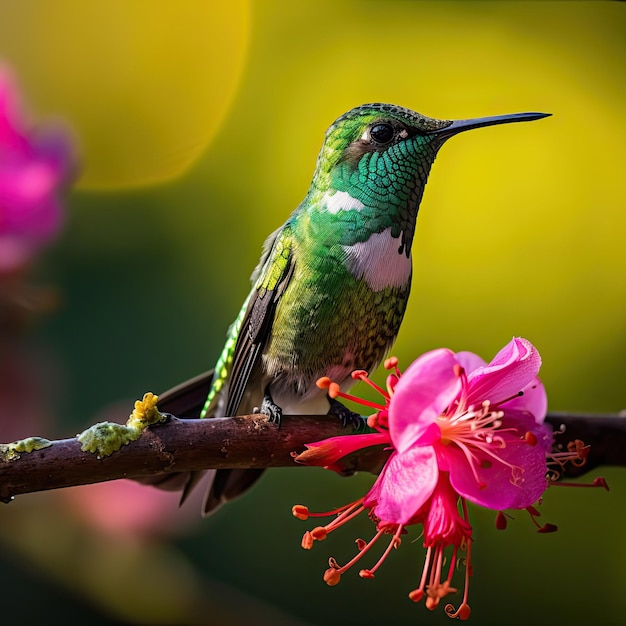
605 433
180 445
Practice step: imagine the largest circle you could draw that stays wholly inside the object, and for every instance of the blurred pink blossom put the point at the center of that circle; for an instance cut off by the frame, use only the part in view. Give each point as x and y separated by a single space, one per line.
36 163
126 508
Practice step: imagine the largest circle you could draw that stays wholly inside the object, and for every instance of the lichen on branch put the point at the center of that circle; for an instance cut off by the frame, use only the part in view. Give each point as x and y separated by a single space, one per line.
105 438
12 451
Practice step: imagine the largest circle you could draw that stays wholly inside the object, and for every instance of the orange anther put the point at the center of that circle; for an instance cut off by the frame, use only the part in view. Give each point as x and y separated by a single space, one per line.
530 438
307 541
300 511
323 382
391 363
416 595
319 533
333 390
359 374
332 576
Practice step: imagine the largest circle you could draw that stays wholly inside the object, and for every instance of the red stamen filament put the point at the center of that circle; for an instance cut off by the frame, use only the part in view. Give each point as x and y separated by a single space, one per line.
335 392
452 566
417 594
546 528
435 573
362 552
394 543
463 612
597 482
363 377
336 511
344 514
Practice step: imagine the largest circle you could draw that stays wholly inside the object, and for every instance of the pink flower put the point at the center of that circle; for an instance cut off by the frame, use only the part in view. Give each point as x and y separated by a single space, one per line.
453 413
458 429
34 165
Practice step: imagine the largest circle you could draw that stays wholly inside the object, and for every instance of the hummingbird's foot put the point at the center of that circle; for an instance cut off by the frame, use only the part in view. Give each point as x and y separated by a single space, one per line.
271 409
347 417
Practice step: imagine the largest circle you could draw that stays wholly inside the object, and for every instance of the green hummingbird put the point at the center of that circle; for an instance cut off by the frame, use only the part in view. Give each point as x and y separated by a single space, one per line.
331 288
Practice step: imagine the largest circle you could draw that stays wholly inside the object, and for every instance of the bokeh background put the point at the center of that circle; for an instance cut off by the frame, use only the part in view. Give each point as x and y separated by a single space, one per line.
198 124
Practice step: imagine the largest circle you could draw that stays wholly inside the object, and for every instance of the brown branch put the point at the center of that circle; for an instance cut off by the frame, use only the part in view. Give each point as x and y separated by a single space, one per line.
179 445
605 433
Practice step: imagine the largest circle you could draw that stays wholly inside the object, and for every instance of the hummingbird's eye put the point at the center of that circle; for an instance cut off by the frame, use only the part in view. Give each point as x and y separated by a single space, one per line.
382 133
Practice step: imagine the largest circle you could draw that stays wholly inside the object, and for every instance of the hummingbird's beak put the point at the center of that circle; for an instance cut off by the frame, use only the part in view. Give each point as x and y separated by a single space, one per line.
458 126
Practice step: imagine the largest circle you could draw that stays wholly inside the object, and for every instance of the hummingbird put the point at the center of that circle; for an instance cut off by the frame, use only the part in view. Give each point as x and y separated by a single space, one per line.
332 284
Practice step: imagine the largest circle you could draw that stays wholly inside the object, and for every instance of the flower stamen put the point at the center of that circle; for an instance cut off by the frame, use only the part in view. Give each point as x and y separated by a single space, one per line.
600 481
362 552
474 433
319 533
394 543
392 364
546 528
334 391
364 378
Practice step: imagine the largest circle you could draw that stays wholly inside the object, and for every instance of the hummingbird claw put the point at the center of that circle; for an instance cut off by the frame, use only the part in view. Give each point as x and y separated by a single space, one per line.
345 415
271 409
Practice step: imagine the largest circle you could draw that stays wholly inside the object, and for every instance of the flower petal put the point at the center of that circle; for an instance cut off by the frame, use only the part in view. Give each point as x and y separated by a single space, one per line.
510 371
441 518
470 361
407 482
370 500
533 400
425 389
328 451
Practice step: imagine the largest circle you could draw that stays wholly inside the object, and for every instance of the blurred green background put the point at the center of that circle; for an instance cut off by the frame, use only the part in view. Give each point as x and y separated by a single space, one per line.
198 125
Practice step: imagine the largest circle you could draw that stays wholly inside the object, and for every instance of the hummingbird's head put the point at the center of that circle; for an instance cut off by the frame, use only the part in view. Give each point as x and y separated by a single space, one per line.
379 157
396 133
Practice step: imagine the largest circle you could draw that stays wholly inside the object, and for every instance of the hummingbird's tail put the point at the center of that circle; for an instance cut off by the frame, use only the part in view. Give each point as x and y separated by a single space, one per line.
226 485
187 401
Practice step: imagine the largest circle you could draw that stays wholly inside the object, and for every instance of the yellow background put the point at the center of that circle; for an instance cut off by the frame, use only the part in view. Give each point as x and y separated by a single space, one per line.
199 126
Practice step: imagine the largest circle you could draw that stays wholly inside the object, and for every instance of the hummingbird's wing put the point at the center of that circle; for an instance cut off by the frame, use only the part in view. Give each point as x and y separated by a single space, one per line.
272 276
187 399
241 362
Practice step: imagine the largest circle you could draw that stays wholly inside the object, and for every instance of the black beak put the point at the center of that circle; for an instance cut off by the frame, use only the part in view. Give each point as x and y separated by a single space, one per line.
458 126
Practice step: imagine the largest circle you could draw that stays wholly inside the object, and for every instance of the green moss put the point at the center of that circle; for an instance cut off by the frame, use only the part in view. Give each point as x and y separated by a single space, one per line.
105 438
12 451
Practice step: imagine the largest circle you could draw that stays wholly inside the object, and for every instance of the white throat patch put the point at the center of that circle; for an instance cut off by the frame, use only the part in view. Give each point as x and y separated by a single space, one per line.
378 262
341 201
